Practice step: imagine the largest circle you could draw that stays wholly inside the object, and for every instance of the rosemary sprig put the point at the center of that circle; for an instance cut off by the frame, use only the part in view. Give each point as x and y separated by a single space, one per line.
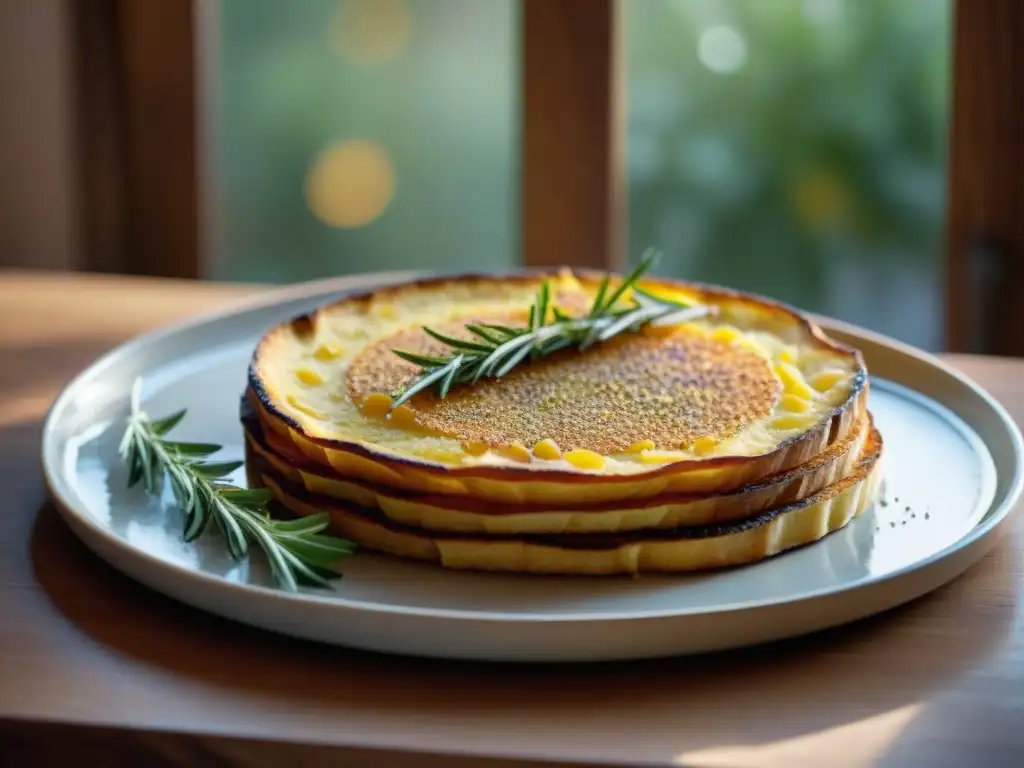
494 350
297 551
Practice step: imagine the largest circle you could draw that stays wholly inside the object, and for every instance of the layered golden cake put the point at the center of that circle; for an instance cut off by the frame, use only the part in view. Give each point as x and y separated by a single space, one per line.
729 433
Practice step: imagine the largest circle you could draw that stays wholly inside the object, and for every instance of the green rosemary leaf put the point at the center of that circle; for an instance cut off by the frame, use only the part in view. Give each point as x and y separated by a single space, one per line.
543 296
126 448
478 369
651 300
446 382
598 305
310 524
678 316
313 552
184 491
646 261
339 545
628 320
197 518
419 385
493 360
277 556
195 523
149 465
560 316
193 449
238 545
254 497
455 343
217 470
510 332
551 346
302 572
596 327
162 426
513 360
424 361
134 462
489 336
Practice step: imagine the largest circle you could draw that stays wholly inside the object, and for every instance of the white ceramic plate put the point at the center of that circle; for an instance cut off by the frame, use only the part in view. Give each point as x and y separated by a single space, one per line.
952 464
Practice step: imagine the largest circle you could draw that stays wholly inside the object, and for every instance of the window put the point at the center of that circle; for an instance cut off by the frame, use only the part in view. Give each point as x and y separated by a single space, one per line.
362 135
795 148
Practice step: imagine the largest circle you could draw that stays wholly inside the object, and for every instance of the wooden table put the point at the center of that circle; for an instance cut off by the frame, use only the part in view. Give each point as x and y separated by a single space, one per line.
90 660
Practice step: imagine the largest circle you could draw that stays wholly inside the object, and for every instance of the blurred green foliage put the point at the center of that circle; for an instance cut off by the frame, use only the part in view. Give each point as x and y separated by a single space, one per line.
444 110
791 147
821 156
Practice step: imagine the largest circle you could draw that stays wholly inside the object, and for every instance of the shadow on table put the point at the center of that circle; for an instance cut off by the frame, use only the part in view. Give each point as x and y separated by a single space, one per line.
750 697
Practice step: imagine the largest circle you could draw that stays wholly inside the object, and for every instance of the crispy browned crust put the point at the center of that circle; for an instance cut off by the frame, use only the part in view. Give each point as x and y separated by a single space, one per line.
733 543
787 455
872 452
274 455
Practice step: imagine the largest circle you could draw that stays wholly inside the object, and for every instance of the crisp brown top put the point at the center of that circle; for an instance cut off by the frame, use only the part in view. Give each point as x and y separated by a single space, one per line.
670 390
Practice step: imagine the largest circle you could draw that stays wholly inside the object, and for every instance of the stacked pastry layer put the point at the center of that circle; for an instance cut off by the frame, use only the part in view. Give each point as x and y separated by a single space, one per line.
714 442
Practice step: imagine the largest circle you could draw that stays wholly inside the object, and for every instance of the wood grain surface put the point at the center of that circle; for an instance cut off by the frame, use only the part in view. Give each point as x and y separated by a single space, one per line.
93 664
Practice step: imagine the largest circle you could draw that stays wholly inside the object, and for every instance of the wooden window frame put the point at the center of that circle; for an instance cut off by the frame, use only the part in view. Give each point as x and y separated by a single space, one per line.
573 198
137 135
985 224
141 145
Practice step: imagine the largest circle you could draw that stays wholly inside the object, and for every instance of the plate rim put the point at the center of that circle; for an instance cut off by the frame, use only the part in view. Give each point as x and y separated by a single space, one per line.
70 505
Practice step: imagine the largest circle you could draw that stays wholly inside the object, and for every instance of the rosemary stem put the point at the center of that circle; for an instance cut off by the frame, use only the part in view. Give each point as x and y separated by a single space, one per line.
494 351
296 550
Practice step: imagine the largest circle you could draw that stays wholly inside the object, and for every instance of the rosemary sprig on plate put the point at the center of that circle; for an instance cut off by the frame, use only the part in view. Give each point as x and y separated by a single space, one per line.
494 350
297 551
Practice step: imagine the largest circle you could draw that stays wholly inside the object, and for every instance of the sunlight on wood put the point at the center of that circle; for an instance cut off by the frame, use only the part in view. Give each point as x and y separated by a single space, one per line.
25 409
861 743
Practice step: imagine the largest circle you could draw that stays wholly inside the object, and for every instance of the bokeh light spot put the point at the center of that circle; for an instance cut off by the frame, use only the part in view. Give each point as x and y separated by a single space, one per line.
722 49
350 184
371 31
